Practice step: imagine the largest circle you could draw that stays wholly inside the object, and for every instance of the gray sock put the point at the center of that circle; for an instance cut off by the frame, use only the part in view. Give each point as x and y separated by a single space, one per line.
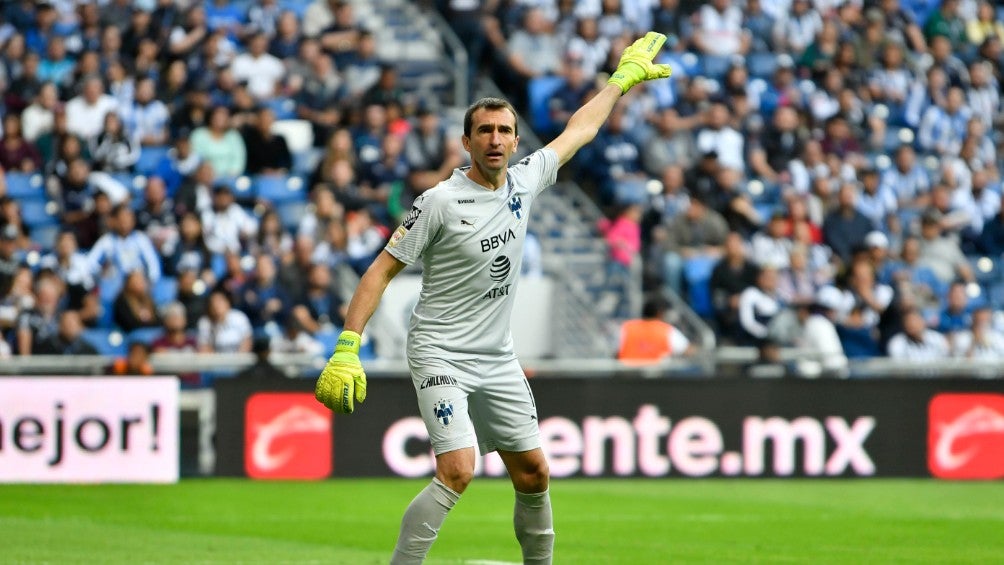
534 527
421 523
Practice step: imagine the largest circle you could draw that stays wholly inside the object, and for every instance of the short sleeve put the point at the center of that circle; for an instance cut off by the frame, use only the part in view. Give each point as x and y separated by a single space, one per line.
418 229
537 170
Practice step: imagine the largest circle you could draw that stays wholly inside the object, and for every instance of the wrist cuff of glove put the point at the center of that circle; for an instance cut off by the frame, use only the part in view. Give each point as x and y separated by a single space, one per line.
348 341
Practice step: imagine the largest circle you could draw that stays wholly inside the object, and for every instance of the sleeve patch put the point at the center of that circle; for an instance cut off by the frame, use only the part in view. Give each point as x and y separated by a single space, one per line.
397 235
411 218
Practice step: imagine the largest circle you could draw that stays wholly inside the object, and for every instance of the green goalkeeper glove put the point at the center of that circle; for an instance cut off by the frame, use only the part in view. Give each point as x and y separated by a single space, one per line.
342 382
636 62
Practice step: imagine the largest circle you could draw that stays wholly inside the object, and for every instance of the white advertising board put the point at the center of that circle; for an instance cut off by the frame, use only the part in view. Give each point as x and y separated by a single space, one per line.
89 429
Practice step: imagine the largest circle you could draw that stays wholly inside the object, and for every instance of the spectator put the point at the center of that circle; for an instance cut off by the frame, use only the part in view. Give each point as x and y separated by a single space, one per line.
945 22
588 47
320 96
262 297
114 150
942 128
798 28
220 145
797 283
262 369
262 71
430 153
295 340
225 224
917 343
147 118
37 119
758 306
980 341
272 238
699 232
361 68
17 298
267 153
86 113
16 153
720 30
940 252
668 146
907 180
68 339
286 36
623 238
720 138
223 329
134 307
771 246
651 339
192 294
778 145
956 316
984 25
613 161
135 363
844 228
41 322
156 217
321 305
124 249
876 202
73 269
176 338
818 334
364 239
333 247
343 36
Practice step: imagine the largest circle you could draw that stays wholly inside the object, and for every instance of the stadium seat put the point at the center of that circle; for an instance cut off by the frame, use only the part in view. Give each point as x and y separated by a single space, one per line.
164 290
290 214
284 108
38 212
21 185
144 335
149 157
539 92
108 341
279 189
45 236
714 66
697 274
761 65
328 338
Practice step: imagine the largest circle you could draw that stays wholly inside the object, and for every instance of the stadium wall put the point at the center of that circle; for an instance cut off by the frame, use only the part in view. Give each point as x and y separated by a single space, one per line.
946 428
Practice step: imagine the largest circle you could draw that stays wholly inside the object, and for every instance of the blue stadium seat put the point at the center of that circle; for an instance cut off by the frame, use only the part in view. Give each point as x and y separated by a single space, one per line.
714 66
36 212
290 214
279 189
144 335
149 157
45 236
697 274
540 92
328 338
108 341
284 108
21 185
164 290
761 65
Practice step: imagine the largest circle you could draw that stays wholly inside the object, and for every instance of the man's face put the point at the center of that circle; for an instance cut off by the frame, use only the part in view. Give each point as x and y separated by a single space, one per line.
493 138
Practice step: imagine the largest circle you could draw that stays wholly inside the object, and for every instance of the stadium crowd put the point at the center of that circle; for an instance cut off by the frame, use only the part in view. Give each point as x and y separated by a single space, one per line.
818 170
816 173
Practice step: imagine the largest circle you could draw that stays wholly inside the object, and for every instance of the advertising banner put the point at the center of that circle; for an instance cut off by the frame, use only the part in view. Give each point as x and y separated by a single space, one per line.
946 428
89 429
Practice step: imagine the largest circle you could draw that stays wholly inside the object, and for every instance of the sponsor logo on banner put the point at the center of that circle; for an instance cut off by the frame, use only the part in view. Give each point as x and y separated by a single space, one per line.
965 436
288 435
650 444
89 429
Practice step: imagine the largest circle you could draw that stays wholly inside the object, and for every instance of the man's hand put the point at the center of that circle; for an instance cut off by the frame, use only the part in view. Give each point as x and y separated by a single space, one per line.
342 382
636 62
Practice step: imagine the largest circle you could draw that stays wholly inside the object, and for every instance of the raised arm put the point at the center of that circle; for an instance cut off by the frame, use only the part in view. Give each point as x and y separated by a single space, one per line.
635 66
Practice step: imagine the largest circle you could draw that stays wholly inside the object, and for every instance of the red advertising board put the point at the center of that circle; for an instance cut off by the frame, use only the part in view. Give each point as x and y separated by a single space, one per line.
287 436
965 436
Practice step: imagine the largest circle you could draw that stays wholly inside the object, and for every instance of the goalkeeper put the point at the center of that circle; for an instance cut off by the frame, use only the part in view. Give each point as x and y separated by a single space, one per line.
468 232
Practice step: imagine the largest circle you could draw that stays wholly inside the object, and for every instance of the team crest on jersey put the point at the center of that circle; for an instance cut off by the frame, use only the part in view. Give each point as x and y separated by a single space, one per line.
444 412
516 207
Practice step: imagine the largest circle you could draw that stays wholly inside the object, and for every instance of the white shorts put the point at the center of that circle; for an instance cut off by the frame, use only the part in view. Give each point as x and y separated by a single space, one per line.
476 401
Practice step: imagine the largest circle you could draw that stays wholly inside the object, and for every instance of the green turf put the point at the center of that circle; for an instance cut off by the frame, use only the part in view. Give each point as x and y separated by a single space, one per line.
598 521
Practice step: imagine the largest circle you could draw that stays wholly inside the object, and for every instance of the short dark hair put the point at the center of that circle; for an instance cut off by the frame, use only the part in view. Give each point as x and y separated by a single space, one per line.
488 103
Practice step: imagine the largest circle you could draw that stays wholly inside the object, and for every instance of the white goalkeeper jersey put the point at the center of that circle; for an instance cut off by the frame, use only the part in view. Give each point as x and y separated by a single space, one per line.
470 240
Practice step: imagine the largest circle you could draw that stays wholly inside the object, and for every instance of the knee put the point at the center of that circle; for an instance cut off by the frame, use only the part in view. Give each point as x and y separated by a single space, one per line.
532 478
456 477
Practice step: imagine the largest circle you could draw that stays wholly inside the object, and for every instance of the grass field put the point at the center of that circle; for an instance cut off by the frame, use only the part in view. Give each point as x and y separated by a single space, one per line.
597 521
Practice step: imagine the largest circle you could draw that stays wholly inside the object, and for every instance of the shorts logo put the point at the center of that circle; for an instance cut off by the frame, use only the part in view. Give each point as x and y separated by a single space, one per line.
500 268
965 436
516 207
438 380
444 412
